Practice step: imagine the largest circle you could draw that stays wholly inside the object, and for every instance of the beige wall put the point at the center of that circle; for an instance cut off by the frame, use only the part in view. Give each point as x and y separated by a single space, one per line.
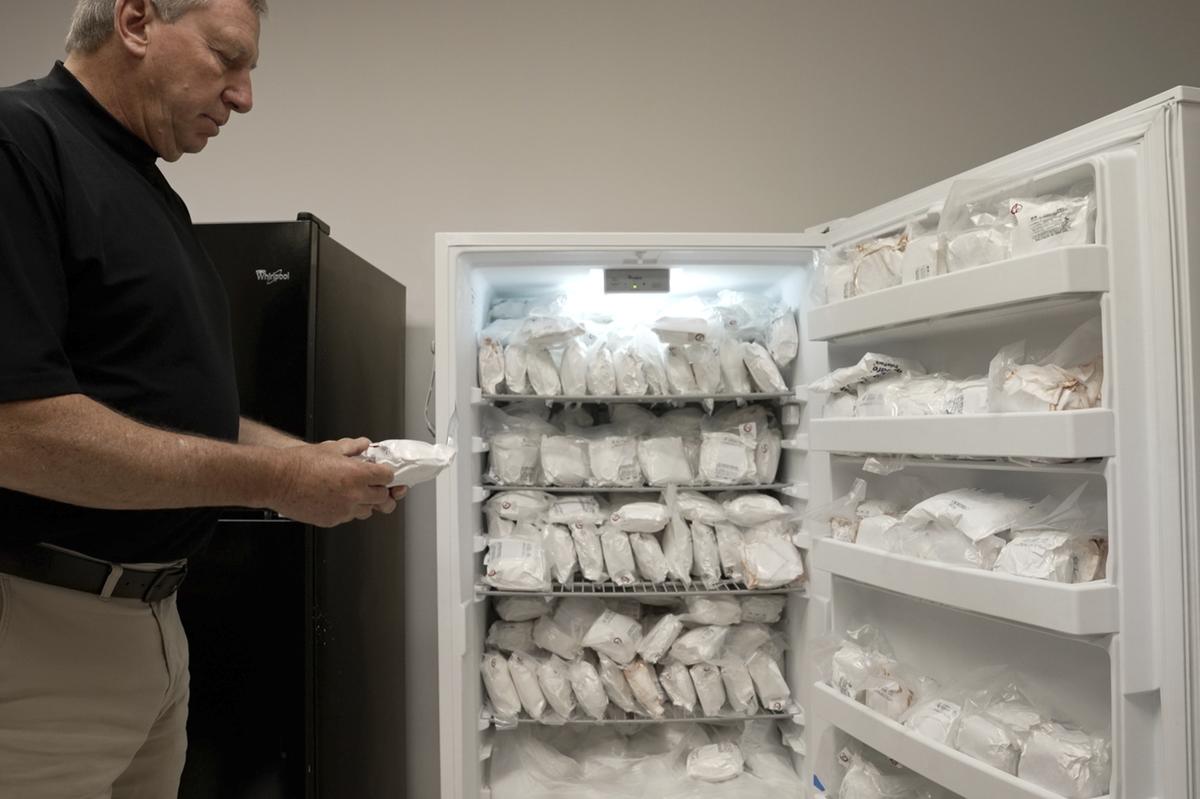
394 120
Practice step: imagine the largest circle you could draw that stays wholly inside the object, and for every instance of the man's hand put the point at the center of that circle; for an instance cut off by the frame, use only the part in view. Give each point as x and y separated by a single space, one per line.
323 484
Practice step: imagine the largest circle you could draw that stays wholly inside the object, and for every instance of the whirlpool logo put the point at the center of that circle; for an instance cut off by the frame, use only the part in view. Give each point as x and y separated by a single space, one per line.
264 276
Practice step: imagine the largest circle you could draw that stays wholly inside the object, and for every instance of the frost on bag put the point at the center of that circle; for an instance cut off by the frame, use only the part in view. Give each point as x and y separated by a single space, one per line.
613 458
618 555
866 780
643 681
573 369
706 367
871 366
677 682
770 559
628 368
1067 761
700 645
601 375
561 552
548 331
555 681
1069 378
523 608
511 636
718 610
974 513
876 264
502 693
648 555
731 546
750 509
522 668
680 377
715 762
550 635
710 689
766 609
1060 541
706 557
745 639
412 462
739 686
585 682
664 461
570 509
783 338
923 256
514 454
762 369
677 548
575 616
589 551
516 369
848 662
491 365
697 507
656 643
543 373
733 367
564 460
768 681
616 686
517 564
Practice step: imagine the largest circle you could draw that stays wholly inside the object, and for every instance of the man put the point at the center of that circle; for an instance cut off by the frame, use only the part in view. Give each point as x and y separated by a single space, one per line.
119 425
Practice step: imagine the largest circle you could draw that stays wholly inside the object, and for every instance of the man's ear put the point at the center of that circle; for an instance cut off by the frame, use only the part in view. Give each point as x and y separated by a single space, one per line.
132 20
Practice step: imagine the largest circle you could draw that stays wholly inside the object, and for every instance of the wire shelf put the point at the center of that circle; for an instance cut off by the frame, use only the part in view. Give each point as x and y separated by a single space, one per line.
646 399
669 588
706 488
640 720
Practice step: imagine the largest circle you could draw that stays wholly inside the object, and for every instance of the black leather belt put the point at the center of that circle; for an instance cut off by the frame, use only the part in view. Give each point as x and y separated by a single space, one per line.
54 567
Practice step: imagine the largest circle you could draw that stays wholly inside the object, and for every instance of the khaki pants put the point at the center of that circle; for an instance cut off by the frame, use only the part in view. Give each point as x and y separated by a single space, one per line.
93 695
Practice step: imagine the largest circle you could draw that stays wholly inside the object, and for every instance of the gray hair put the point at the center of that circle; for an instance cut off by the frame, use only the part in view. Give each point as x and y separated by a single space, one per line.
92 21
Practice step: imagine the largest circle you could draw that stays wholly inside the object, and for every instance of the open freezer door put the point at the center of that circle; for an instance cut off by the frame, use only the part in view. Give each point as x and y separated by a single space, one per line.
608 291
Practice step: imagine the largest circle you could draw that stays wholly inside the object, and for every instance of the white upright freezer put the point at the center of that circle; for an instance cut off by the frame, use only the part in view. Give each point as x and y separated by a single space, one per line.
1119 655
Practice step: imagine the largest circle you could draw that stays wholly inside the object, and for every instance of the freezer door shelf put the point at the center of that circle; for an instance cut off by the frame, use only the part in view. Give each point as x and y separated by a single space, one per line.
947 767
1059 273
1080 609
1052 434
665 589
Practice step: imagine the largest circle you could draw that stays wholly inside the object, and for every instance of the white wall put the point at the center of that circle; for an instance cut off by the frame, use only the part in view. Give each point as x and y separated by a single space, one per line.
394 120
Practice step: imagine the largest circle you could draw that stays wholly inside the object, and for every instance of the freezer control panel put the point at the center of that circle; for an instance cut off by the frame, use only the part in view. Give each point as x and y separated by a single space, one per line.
637 281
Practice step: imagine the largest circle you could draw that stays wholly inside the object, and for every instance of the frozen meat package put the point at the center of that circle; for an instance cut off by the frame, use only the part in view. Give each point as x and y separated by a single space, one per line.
412 462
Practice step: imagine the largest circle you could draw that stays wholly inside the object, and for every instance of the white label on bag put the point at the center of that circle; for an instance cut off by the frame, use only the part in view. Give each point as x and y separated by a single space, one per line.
508 549
730 462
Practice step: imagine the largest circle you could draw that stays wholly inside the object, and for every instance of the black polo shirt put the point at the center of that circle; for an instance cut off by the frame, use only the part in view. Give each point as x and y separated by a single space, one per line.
104 291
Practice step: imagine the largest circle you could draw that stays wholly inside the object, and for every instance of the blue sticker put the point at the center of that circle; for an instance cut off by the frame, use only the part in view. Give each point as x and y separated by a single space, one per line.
817 783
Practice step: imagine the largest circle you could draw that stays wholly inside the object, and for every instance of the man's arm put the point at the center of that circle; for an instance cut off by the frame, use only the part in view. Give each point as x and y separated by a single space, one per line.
257 434
73 449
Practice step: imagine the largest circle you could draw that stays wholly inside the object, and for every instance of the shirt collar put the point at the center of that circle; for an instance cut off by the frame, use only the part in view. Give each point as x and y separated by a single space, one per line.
106 126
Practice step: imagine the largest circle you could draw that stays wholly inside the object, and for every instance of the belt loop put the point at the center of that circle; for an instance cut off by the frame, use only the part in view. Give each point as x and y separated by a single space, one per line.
110 583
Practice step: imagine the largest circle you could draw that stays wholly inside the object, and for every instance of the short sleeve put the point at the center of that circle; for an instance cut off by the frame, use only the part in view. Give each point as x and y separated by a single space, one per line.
33 289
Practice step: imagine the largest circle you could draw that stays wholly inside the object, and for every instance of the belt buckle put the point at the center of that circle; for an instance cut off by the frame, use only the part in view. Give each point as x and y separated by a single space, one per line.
165 583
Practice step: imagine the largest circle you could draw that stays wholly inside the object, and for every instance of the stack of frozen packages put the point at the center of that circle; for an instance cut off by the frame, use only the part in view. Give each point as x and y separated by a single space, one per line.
736 446
669 761
591 658
988 715
735 344
1070 377
1061 540
977 226
870 775
536 539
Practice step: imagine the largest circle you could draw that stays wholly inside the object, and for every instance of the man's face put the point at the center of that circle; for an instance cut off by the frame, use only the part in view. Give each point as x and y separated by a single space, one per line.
198 71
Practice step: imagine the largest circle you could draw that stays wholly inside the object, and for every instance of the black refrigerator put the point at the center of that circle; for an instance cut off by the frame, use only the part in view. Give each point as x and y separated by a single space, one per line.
296 633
